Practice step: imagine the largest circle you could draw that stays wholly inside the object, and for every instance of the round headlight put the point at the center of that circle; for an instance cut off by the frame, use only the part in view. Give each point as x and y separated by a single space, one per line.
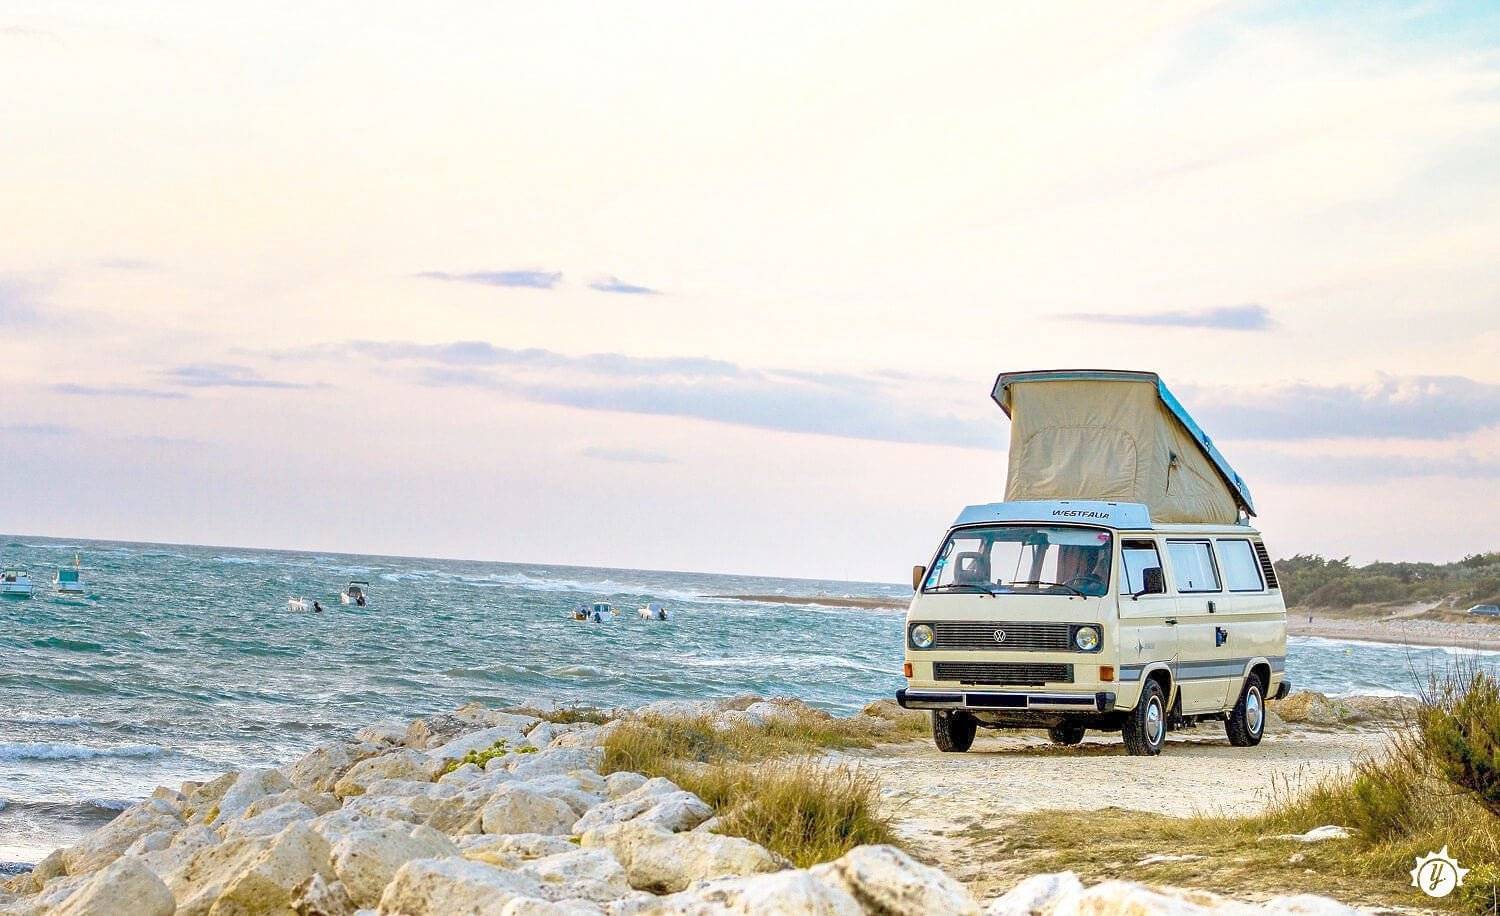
1087 638
921 636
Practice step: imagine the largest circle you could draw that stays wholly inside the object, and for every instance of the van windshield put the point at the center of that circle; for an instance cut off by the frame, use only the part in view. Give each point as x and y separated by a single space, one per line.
1023 559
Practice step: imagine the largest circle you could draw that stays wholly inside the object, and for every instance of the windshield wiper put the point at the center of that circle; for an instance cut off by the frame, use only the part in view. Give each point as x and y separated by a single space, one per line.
969 586
1037 583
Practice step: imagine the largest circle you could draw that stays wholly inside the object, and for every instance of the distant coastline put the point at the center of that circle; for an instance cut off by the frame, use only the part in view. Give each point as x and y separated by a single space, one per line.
867 604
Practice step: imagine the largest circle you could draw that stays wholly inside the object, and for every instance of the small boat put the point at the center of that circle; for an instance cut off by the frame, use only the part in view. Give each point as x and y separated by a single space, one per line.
594 613
304 605
356 592
14 583
652 611
69 579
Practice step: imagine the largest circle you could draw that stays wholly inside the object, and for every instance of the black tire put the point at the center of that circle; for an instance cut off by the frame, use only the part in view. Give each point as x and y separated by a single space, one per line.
1066 734
953 731
1247 722
1145 728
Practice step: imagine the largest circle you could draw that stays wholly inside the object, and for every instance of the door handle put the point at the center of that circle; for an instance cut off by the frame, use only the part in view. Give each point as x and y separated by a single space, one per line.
1171 621
1212 607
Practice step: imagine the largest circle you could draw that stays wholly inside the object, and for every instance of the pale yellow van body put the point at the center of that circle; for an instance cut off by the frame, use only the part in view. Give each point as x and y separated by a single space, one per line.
1213 641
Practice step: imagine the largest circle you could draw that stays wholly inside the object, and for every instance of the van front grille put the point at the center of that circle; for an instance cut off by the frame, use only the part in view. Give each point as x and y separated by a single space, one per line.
1018 673
982 636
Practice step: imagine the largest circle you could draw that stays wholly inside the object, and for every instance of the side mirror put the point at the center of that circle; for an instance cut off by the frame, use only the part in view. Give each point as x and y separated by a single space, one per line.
1153 582
918 573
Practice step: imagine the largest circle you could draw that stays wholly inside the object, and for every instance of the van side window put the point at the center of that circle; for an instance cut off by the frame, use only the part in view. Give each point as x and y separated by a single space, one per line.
1136 556
1241 567
1193 566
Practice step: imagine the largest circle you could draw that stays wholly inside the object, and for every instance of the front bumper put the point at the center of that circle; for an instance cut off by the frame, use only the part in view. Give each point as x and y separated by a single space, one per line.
1018 701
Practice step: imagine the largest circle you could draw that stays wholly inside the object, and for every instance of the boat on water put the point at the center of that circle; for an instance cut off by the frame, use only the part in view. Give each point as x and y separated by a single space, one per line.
69 579
304 605
357 593
14 583
652 611
596 612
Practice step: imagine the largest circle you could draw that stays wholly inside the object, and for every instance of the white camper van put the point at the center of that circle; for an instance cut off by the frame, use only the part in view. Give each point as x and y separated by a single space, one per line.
1119 587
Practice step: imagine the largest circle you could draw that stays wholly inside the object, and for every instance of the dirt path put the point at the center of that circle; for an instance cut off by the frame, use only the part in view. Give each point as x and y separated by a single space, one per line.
956 809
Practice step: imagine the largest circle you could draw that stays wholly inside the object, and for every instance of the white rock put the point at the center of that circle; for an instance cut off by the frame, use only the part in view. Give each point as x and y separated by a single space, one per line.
366 861
622 783
554 761
659 861
678 709
183 847
271 878
776 894
125 888
320 768
319 897
530 906
1037 895
569 788
481 740
516 809
782 711
383 735
588 736
886 880
269 823
1317 834
588 874
485 717
657 801
1308 905
251 786
401 764
508 850
109 842
335 825
444 887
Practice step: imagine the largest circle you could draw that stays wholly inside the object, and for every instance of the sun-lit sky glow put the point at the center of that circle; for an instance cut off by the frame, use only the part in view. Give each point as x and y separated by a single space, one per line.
724 287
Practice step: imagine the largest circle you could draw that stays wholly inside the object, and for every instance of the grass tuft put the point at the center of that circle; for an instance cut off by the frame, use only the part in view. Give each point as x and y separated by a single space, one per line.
480 758
760 783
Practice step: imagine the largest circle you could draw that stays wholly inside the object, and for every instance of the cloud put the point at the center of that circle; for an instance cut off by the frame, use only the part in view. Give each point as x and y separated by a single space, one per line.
1391 407
616 285
127 264
224 375
115 391
855 406
36 429
531 279
627 455
1326 468
1248 317
20 301
27 33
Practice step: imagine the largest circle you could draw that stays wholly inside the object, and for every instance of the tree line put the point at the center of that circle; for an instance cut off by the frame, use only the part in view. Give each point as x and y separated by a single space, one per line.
1309 580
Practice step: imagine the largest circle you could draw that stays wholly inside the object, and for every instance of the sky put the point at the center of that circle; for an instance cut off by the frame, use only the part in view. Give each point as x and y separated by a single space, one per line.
724 287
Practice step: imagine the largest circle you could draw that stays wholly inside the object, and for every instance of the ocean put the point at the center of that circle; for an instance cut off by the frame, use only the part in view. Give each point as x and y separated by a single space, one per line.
184 662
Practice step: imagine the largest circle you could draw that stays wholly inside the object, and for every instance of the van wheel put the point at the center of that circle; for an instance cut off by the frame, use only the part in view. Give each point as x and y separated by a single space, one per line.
1066 734
1145 729
953 732
1247 723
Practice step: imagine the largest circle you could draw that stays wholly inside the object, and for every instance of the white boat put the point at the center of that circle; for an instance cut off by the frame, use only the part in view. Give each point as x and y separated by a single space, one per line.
357 592
14 583
69 579
596 612
304 605
652 611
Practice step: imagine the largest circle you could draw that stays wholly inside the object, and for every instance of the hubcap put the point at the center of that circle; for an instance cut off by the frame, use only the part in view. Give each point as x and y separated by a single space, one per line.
1153 721
1254 716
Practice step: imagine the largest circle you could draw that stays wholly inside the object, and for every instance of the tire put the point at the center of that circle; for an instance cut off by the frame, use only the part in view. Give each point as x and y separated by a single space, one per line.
1145 730
1066 734
953 731
1247 722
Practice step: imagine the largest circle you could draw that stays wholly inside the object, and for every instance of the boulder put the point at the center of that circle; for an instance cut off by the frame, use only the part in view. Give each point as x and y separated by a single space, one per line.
622 783
319 897
321 767
401 764
124 888
886 880
660 861
477 741
367 860
270 822
435 730
485 717
248 787
570 788
554 761
443 887
679 709
657 801
335 825
1308 707
202 799
783 711
383 736
589 736
1037 894
197 882
109 842
269 880
586 874
183 846
516 809
531 906
509 850
774 894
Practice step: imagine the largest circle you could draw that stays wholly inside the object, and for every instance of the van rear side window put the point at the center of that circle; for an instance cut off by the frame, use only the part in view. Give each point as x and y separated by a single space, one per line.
1241 567
1136 557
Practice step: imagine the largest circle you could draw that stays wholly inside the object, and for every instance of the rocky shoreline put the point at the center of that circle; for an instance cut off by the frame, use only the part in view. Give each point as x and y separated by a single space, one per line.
504 812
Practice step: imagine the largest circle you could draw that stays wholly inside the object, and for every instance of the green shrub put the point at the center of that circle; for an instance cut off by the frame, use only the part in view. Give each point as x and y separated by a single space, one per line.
1460 728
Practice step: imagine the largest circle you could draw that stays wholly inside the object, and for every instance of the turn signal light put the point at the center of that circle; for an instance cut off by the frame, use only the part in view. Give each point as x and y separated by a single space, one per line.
1106 672
906 670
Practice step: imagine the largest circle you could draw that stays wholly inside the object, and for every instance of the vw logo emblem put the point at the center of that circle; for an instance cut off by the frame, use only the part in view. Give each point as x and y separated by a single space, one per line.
999 636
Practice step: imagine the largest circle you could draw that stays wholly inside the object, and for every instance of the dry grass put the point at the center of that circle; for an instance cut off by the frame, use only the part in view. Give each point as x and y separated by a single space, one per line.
760 781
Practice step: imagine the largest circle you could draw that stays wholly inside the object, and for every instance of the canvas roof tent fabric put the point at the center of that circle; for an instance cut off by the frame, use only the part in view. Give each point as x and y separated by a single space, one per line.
1109 435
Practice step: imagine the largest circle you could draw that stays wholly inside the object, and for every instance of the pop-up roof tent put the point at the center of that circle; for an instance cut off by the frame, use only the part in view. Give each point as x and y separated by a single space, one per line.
1118 436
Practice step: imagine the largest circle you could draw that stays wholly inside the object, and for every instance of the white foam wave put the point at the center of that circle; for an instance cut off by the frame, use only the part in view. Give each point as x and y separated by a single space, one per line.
46 750
577 671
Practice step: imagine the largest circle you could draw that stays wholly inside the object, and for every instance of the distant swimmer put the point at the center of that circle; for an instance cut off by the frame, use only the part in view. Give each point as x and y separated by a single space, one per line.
317 608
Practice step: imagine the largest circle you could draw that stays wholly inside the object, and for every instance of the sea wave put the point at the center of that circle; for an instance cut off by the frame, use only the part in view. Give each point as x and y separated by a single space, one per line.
47 750
577 671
